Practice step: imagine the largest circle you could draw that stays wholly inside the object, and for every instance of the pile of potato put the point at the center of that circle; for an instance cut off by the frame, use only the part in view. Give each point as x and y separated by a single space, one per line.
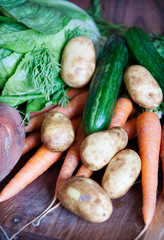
83 196
104 149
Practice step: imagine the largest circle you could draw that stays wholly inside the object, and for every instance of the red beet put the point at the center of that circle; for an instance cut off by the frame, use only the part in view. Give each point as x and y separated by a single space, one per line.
12 138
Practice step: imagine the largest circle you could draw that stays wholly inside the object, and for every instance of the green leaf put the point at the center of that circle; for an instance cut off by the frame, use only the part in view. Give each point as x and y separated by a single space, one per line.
10 27
4 53
8 66
158 41
22 41
15 100
38 72
47 20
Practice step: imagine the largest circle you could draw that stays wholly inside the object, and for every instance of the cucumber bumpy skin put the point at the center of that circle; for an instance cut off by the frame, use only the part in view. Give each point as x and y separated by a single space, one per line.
105 85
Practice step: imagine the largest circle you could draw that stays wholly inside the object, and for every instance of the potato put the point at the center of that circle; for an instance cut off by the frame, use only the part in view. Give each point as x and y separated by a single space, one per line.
142 87
12 132
121 173
57 132
85 198
78 62
98 148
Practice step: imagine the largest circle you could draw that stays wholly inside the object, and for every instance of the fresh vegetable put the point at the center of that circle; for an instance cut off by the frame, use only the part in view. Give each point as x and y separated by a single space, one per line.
57 132
72 93
149 139
142 87
72 158
162 153
146 54
12 138
84 171
105 85
121 173
98 148
68 167
73 109
31 141
85 198
158 41
130 128
36 165
121 113
105 27
78 62
38 40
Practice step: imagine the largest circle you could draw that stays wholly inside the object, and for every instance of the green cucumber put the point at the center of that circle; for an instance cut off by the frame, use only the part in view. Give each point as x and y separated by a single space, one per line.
105 85
145 53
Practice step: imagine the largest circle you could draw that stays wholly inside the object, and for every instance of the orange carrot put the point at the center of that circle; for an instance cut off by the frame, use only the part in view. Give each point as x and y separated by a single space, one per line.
72 92
32 141
70 163
84 171
149 138
73 109
130 128
121 113
37 165
162 153
72 158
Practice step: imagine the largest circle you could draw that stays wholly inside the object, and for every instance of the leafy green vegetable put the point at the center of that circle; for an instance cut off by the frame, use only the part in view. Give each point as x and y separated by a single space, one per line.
8 66
158 43
37 31
15 100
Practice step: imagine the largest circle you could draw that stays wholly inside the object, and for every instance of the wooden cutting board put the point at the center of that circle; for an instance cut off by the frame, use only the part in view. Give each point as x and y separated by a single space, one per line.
126 220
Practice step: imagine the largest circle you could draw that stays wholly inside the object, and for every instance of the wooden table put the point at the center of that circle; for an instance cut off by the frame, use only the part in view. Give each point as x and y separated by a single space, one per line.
126 221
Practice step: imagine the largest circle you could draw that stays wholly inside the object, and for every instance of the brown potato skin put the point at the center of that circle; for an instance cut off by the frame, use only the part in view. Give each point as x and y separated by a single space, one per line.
78 62
121 173
91 202
57 132
142 87
98 148
12 132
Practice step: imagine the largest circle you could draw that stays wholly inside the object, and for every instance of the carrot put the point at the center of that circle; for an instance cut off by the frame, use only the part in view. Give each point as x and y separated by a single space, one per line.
84 171
72 158
32 141
70 163
130 128
72 92
121 113
149 138
73 109
162 153
37 165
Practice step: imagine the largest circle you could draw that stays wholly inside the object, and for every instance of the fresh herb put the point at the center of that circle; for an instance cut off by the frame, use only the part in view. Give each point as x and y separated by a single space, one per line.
34 33
106 28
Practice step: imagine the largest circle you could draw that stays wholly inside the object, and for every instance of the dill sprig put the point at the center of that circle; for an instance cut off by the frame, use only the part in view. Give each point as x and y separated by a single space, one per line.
43 70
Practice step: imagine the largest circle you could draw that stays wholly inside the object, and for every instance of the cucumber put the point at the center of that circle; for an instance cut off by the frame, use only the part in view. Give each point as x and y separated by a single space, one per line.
145 53
105 85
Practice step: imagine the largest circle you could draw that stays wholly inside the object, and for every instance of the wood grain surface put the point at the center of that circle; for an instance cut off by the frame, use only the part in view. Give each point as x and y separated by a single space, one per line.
126 221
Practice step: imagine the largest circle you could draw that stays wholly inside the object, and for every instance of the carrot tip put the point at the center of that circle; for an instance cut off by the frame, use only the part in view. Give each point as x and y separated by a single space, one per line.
142 232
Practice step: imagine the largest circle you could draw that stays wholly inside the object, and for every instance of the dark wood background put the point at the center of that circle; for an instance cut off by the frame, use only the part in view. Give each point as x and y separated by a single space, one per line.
126 221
